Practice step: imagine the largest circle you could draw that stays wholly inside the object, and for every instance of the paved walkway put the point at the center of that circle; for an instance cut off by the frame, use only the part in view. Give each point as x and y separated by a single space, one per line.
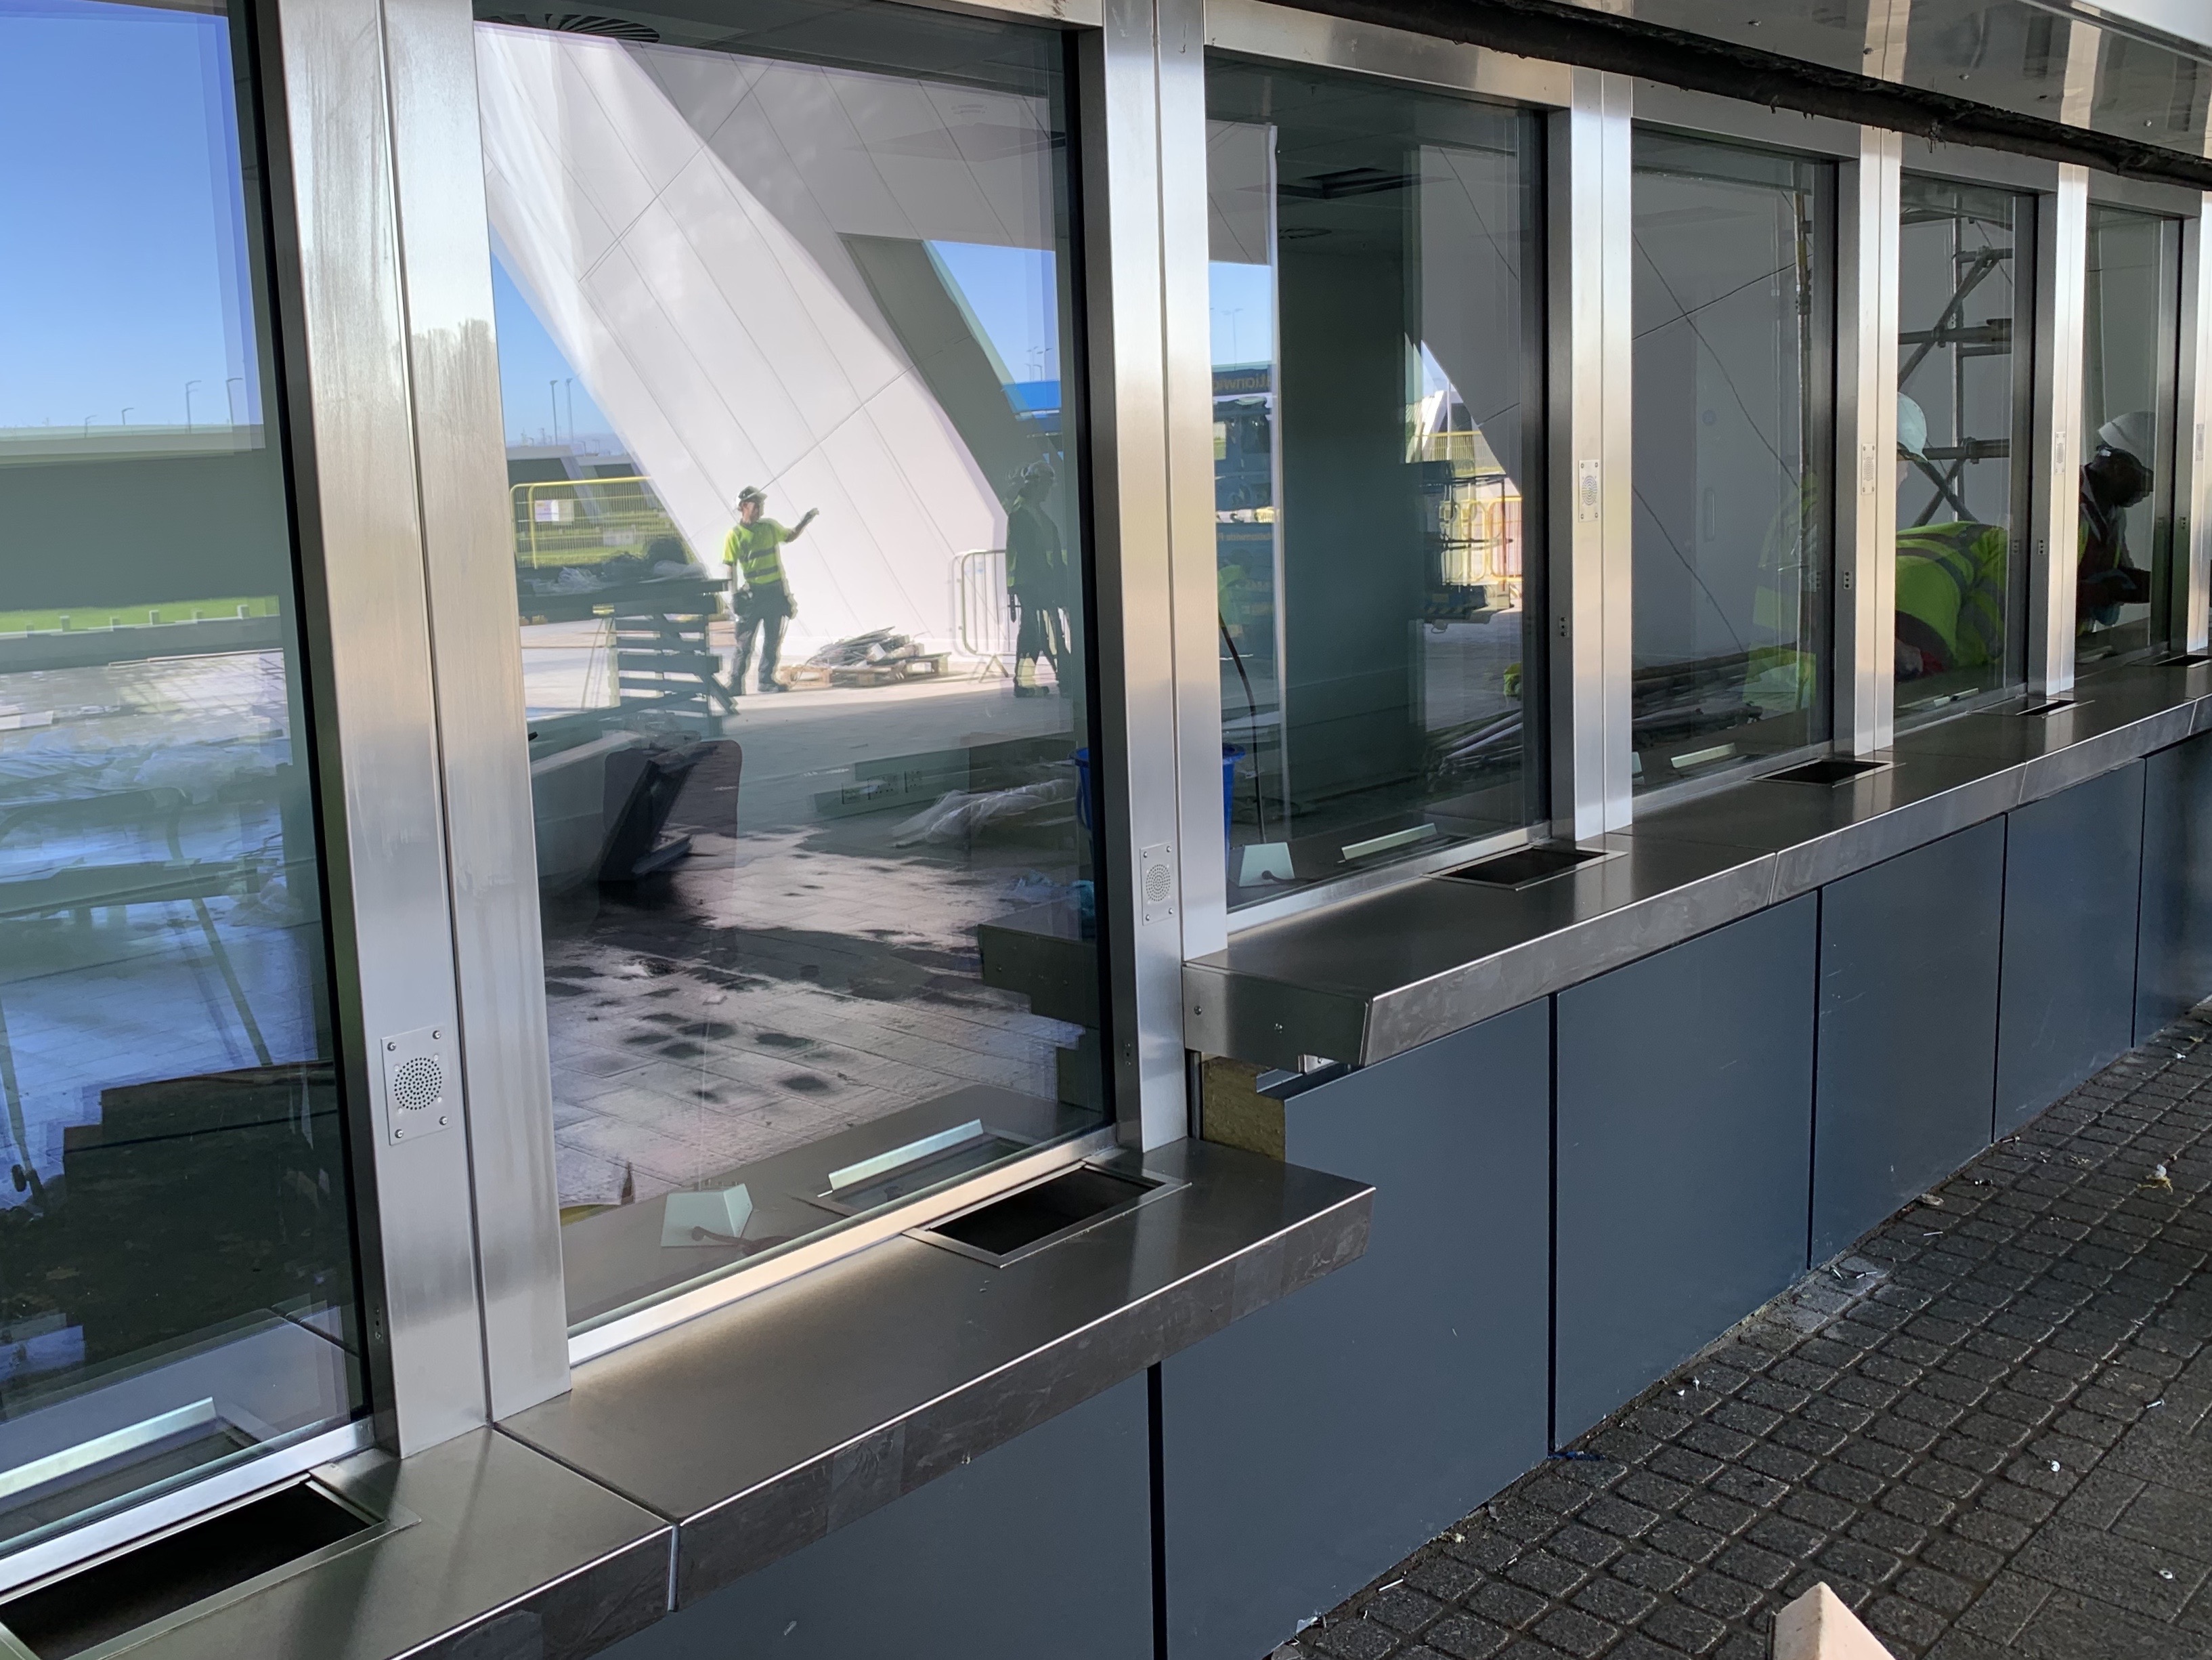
1989 1428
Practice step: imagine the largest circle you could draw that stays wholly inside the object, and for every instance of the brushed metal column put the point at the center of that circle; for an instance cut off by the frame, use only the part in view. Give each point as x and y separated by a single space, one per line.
365 610
477 663
2192 485
2054 510
1866 444
1125 244
1591 485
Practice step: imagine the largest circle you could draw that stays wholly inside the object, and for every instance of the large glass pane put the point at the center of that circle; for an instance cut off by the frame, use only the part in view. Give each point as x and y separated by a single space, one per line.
2130 355
1734 369
1375 282
1963 399
177 1288
789 364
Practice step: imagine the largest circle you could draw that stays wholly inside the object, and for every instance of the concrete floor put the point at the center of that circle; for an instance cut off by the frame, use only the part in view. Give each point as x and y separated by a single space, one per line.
1989 1428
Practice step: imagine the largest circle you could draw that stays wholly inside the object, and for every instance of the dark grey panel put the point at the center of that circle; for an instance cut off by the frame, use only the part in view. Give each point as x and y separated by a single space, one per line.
1907 1073
2173 957
1043 1547
2073 864
1311 1446
1685 1095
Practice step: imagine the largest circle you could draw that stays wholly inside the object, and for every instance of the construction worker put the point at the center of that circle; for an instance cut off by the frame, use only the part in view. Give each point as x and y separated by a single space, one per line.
760 597
1038 577
1950 579
2115 477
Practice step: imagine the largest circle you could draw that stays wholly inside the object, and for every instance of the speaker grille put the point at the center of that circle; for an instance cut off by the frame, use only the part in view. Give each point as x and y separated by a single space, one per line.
1159 882
417 1083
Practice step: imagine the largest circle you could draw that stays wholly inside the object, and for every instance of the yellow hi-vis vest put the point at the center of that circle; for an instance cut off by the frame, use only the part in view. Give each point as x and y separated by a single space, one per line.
752 552
1950 578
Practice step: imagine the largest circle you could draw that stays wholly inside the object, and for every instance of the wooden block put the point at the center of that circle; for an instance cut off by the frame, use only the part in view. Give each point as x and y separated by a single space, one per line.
1819 1627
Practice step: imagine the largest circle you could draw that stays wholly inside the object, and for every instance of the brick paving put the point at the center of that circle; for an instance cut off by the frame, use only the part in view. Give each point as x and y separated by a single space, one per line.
1987 1427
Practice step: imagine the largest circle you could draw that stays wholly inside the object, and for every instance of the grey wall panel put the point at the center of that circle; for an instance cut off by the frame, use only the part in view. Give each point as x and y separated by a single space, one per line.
1685 1098
1908 1051
2173 954
2067 1003
1314 1443
1041 1547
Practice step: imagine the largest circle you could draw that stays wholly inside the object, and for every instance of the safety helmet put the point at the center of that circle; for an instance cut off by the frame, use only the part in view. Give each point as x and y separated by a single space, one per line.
752 492
2134 434
1911 427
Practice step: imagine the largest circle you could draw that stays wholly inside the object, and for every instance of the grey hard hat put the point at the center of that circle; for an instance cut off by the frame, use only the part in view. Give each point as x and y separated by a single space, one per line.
2134 433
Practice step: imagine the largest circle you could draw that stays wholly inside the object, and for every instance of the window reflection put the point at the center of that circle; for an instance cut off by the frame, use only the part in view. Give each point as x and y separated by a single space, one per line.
2130 350
1734 374
176 1259
1963 406
1376 289
783 342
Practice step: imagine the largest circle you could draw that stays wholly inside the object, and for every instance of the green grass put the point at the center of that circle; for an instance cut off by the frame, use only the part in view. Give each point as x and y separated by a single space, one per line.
101 616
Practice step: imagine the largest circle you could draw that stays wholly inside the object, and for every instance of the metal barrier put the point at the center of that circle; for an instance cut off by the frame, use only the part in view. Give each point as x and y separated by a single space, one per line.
979 606
587 521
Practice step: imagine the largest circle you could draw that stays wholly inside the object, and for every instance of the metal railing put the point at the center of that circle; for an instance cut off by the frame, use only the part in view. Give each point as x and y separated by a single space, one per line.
983 630
587 521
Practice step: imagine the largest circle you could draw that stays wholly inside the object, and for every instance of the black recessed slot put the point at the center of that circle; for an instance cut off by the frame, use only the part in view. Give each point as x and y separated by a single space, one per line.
1523 865
1829 769
127 1591
2048 706
2182 659
1007 1226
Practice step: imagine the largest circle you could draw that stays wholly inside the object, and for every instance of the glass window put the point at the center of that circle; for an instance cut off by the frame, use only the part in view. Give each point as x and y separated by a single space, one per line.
1734 369
1377 281
2130 356
176 1283
789 363
1963 401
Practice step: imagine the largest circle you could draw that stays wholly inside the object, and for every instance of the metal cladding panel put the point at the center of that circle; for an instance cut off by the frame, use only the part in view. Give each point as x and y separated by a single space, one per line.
1907 1072
1685 1132
2173 946
1041 1546
1308 1448
2073 865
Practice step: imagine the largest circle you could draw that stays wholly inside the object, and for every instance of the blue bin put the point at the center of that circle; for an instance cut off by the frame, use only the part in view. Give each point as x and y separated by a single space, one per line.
1086 802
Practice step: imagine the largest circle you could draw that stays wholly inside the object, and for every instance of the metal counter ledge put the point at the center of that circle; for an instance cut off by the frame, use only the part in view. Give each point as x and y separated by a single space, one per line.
1378 975
684 1462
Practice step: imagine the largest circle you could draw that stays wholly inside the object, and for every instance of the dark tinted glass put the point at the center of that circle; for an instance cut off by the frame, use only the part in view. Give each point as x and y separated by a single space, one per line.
1734 373
176 1261
789 350
1965 392
2130 356
1376 282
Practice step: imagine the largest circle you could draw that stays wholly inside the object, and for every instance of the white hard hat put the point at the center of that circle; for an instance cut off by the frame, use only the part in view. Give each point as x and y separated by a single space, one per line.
1911 427
2133 432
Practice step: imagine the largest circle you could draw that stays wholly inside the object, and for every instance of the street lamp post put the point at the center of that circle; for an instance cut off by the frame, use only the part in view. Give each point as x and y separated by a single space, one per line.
189 384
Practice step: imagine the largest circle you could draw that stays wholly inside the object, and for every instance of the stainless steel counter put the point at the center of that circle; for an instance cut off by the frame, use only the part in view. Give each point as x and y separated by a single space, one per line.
1381 973
684 1462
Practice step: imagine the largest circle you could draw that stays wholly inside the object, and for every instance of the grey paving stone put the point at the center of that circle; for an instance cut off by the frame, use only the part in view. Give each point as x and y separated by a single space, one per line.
1887 1427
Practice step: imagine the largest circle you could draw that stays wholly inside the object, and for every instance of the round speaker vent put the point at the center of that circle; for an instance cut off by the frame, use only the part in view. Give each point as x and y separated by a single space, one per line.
417 1083
1159 882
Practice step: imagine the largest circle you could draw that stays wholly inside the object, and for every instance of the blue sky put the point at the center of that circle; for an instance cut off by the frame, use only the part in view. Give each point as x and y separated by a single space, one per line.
1242 299
125 272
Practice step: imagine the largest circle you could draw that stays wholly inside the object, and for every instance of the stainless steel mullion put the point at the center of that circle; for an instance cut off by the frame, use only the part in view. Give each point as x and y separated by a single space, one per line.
1866 445
2062 257
1125 241
461 467
348 400
1590 483
2193 492
1187 339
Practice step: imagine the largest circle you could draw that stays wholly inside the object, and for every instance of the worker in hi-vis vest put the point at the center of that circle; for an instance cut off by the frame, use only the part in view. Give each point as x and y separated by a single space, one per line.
760 596
2117 475
1950 579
